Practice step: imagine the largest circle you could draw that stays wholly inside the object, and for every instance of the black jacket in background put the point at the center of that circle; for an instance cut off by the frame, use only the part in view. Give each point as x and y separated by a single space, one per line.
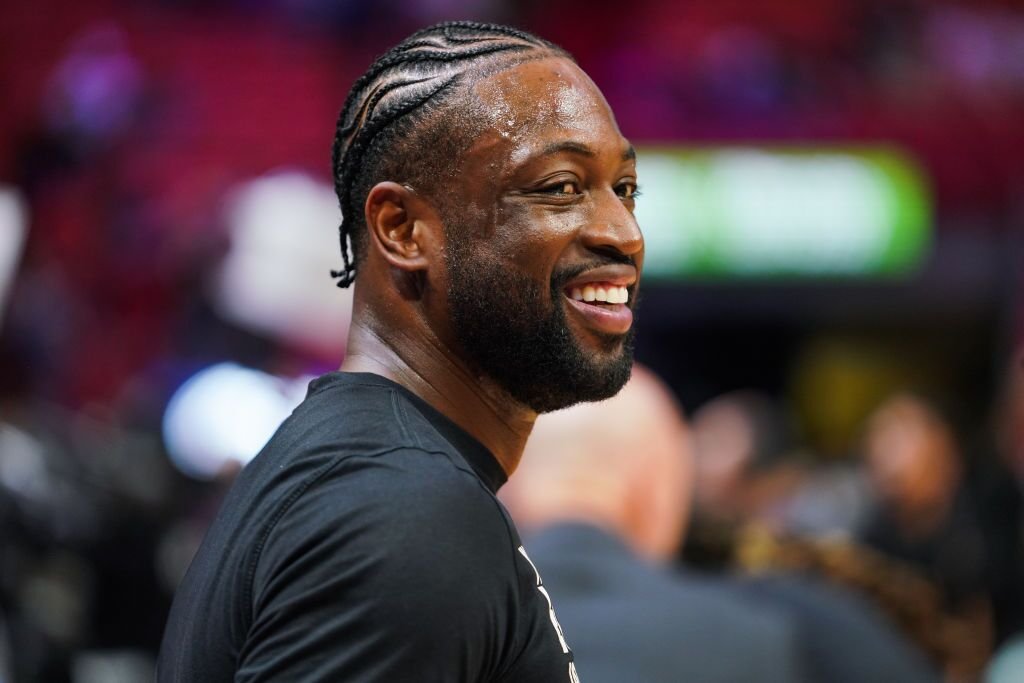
633 622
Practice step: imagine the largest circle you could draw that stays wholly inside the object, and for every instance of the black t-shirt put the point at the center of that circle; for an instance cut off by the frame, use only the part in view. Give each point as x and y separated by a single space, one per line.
364 543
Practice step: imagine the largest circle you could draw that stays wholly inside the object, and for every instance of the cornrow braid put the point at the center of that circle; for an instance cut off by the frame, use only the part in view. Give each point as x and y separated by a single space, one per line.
385 114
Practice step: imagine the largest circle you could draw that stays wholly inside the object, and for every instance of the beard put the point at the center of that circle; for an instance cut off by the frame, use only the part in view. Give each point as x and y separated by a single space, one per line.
511 332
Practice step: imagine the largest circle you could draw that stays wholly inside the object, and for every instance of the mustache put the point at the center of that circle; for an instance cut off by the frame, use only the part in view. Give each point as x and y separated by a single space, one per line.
560 278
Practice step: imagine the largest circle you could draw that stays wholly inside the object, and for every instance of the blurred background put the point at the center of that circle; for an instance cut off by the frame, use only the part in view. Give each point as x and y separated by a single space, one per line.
834 209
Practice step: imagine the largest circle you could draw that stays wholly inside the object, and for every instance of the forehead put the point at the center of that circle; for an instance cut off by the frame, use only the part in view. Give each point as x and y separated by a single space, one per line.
530 106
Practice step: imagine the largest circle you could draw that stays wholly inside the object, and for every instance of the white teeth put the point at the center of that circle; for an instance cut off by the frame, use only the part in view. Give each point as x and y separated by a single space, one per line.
590 293
618 295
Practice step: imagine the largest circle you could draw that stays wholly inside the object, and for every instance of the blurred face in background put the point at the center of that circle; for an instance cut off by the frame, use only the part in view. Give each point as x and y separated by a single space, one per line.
724 444
747 466
911 455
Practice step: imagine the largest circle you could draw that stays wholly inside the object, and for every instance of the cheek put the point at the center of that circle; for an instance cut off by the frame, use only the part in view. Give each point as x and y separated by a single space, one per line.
535 238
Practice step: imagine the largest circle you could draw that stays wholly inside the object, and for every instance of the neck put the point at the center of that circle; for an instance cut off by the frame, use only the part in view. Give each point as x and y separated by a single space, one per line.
426 367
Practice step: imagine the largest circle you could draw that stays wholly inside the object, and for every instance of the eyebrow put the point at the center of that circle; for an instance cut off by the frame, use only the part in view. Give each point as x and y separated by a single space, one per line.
582 149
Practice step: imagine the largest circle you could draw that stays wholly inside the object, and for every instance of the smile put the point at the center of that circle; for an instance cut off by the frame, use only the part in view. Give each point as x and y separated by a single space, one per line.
602 306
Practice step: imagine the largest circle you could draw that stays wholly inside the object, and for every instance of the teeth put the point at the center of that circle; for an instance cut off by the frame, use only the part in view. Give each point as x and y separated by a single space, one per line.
590 293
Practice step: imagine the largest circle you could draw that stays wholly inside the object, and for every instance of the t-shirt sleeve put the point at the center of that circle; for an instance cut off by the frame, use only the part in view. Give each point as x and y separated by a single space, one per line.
391 572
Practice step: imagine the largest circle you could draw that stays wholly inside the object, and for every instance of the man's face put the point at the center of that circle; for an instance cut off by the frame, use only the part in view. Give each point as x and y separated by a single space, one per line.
545 223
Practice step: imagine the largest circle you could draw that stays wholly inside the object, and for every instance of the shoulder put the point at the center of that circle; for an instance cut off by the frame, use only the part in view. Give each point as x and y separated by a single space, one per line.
418 486
399 554
407 513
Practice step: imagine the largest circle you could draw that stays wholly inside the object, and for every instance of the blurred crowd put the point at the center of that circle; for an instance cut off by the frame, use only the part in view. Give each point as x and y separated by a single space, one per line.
132 132
925 524
906 564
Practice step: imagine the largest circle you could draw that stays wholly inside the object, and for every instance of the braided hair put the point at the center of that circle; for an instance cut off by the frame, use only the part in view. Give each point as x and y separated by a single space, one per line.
387 123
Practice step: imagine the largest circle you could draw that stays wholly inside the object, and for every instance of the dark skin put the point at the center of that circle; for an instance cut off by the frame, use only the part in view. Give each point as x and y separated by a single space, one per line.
548 185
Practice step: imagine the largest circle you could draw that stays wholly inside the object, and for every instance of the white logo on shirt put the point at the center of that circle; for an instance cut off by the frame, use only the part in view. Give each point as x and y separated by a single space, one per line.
573 676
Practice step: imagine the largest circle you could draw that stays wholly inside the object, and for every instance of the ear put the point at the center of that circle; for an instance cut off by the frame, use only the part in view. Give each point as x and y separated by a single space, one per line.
403 227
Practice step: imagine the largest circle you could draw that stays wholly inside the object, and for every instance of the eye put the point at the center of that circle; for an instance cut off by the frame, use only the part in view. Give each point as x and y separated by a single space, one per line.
628 190
562 187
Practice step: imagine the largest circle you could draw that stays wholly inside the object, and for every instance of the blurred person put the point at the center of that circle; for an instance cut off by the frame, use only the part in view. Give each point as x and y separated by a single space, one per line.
924 514
749 466
82 502
603 494
742 464
929 517
757 507
992 489
487 196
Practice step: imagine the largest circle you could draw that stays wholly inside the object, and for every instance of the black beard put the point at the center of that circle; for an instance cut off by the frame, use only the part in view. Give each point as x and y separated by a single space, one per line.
510 333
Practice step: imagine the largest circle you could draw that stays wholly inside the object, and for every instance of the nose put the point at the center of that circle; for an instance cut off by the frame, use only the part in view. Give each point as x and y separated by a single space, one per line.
612 228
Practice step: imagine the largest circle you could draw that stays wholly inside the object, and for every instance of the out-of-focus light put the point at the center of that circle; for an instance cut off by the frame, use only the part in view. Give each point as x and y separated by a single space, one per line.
13 228
746 212
1007 665
225 414
275 278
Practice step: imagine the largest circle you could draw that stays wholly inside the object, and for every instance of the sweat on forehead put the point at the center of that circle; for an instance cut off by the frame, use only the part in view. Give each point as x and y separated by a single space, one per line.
547 86
528 104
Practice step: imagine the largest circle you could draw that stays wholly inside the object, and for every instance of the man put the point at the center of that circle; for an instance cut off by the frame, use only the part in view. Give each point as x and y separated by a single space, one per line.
488 196
603 491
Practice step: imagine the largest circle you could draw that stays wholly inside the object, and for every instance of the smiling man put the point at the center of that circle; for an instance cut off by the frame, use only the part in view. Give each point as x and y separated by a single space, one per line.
488 228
